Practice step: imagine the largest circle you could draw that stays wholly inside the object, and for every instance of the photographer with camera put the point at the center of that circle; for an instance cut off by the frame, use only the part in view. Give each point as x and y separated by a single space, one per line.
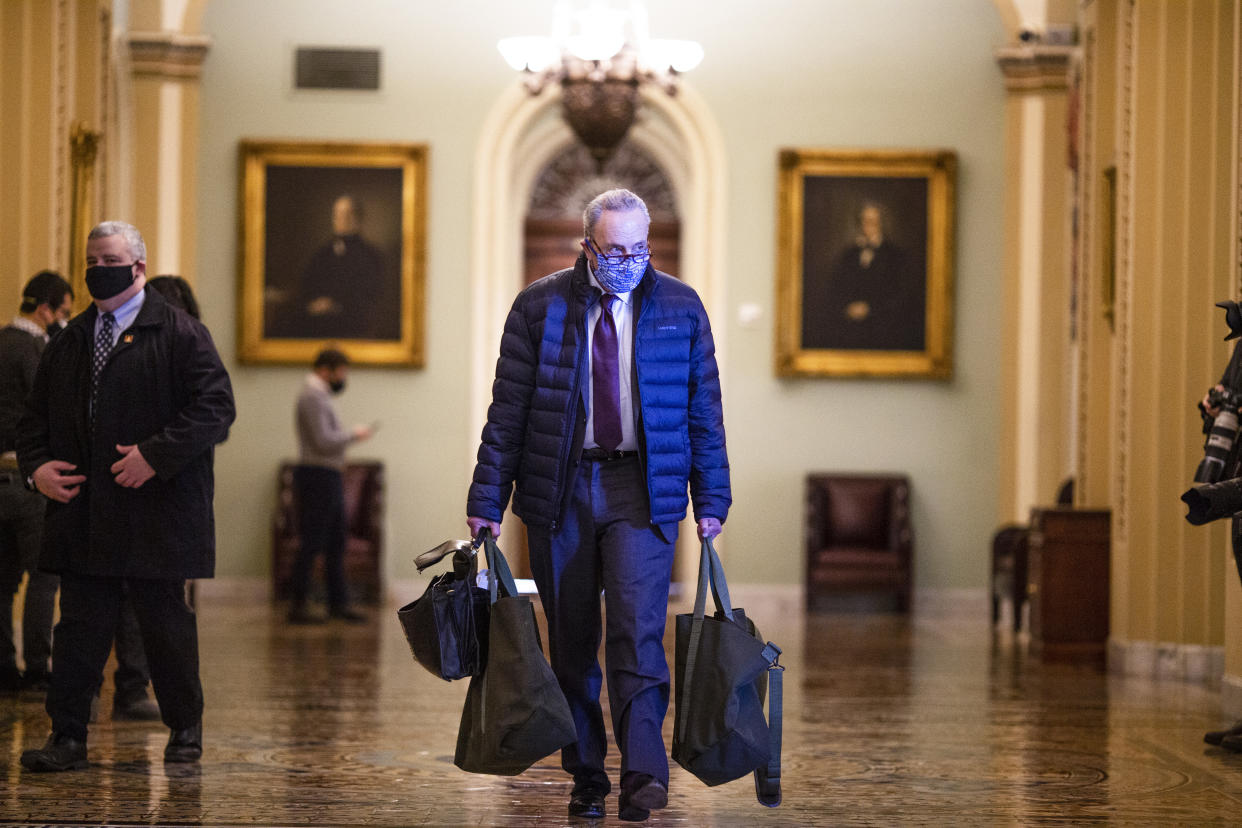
1219 408
1218 490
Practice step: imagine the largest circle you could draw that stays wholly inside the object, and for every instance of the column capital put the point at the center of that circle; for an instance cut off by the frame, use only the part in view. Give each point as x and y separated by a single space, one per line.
1035 68
166 54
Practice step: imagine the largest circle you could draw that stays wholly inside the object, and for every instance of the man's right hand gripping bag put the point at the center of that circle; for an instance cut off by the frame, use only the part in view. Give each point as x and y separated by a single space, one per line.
515 713
723 669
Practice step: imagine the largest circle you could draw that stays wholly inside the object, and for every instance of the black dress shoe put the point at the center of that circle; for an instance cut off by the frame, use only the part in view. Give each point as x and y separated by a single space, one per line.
587 805
641 793
59 753
185 745
138 710
1215 737
10 680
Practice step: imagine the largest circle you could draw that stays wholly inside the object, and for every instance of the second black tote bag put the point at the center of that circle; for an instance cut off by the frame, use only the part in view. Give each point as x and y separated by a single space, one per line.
515 713
722 669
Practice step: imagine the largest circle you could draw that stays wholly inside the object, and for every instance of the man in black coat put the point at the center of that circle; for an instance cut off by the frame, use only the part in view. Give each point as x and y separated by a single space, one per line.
128 403
47 301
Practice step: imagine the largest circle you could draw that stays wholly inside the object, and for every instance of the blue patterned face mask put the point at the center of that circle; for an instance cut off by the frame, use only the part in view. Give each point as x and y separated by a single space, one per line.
621 273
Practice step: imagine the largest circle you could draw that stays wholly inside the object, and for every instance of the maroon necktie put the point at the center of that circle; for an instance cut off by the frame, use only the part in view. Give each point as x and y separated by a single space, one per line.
606 394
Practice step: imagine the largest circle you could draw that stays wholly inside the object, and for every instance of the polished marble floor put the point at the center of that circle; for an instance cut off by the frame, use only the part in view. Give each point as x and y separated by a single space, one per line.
929 720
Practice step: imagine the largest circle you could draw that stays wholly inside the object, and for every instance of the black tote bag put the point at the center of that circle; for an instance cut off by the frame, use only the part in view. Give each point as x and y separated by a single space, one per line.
722 669
515 713
446 626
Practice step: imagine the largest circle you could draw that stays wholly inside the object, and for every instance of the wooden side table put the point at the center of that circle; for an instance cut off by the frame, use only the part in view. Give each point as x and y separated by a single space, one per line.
1068 579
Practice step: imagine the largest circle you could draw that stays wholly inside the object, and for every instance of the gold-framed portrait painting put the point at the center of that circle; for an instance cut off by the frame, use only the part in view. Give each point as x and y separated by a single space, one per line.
333 239
865 263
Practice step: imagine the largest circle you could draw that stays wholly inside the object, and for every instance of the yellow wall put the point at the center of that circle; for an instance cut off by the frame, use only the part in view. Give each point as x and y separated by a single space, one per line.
1160 89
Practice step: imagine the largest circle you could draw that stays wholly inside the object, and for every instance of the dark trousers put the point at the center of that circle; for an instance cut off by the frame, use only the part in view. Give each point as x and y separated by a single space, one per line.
21 536
608 542
321 525
133 674
90 610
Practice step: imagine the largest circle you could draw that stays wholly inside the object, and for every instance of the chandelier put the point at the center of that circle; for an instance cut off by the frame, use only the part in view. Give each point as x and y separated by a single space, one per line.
600 56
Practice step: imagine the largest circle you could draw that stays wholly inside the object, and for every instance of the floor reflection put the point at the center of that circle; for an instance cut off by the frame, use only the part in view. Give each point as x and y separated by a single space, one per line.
933 718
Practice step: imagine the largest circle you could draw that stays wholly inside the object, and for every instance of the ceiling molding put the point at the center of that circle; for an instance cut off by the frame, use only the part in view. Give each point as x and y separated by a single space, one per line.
1032 68
167 54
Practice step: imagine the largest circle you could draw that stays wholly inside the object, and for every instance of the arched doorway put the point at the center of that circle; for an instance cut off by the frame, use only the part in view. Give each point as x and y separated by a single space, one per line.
553 226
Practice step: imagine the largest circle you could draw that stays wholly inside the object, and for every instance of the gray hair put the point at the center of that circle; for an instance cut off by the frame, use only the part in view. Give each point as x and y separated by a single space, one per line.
133 239
617 200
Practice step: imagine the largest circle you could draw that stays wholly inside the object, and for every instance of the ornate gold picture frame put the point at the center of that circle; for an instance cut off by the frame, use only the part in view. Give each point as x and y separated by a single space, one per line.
865 263
333 250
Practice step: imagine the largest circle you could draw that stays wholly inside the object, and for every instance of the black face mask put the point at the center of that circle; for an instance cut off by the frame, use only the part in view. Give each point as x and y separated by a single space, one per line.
337 386
106 281
56 327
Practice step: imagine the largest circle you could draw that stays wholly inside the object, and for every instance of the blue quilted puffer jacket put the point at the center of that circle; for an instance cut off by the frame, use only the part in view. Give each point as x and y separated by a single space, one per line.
537 418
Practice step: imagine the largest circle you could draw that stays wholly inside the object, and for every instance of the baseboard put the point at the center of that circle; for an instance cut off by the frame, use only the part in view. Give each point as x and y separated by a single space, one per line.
759 600
1231 696
1195 663
237 589
976 602
784 599
791 599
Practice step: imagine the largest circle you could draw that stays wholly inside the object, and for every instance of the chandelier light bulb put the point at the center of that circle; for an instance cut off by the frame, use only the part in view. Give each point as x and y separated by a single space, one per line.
662 55
529 53
601 33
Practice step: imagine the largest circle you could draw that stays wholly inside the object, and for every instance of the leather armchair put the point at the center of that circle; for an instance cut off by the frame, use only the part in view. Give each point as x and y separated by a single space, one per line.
364 516
858 536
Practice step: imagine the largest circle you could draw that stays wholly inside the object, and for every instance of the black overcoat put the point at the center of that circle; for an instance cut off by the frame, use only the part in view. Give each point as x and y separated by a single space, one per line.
163 388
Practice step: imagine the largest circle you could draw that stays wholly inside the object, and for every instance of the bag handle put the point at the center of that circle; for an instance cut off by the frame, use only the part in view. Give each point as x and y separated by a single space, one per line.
433 556
711 575
500 581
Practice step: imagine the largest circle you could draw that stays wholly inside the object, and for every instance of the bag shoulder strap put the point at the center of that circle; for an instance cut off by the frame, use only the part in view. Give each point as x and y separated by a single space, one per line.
685 686
768 777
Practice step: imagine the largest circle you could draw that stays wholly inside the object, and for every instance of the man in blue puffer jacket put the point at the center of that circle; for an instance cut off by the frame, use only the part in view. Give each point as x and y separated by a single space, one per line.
605 410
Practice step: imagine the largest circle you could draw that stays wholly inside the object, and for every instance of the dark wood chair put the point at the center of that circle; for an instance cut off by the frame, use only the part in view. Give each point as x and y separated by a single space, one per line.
1010 552
858 537
364 515
1009 571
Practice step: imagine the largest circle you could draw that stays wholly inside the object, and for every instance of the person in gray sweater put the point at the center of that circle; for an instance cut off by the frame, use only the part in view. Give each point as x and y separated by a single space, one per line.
318 486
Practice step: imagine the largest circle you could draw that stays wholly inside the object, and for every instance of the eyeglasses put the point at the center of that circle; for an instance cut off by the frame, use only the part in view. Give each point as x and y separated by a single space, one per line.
641 257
